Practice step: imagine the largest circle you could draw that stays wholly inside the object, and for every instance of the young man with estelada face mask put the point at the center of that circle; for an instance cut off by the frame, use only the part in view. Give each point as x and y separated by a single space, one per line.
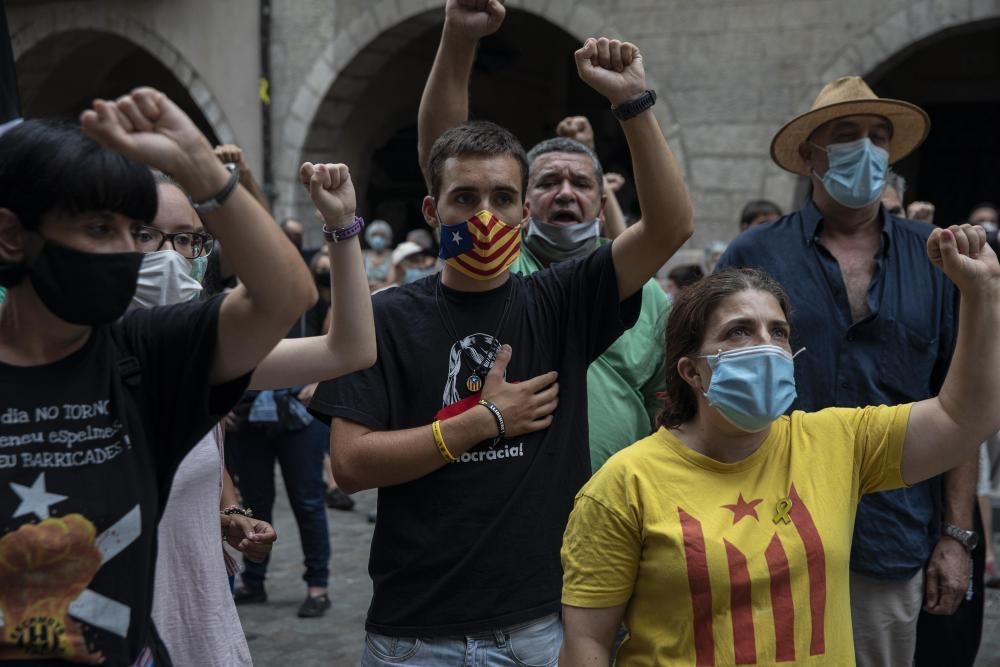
472 423
565 199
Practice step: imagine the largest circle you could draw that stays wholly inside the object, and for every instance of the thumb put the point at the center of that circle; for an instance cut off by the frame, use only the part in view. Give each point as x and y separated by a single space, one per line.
585 53
496 9
316 184
500 364
950 259
931 597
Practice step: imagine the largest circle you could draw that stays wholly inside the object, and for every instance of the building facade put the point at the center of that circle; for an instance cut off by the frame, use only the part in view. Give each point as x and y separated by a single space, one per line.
343 80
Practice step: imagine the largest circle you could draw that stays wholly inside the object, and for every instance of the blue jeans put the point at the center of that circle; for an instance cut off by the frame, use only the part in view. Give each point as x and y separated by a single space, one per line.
300 455
532 644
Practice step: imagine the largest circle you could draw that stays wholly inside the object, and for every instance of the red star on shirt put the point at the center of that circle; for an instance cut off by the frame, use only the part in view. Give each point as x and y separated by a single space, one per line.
743 508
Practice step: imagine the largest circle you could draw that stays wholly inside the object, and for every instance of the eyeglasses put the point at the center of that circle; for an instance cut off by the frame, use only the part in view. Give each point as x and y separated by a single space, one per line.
188 244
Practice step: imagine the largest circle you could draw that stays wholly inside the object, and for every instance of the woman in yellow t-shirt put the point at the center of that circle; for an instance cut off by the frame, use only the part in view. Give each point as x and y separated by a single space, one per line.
724 537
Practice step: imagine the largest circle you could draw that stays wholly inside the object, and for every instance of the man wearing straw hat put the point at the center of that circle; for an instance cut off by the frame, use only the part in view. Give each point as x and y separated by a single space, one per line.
878 323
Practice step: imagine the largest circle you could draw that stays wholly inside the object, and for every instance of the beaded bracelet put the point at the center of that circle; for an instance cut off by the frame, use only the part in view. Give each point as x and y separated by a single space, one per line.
236 509
439 441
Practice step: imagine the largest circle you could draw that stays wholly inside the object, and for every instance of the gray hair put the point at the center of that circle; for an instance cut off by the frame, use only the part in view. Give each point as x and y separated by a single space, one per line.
566 145
896 182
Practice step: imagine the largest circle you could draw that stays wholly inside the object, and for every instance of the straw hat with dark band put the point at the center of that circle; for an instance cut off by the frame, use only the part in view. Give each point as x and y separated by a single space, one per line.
850 96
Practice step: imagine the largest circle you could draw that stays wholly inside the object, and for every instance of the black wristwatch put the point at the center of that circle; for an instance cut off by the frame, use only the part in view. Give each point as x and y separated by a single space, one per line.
967 538
216 202
633 108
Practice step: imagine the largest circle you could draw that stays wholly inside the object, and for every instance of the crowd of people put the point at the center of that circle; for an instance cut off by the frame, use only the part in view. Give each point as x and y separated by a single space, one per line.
786 456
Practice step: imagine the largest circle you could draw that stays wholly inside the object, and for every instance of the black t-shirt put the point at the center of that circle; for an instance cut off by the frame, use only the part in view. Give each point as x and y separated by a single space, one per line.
475 544
86 461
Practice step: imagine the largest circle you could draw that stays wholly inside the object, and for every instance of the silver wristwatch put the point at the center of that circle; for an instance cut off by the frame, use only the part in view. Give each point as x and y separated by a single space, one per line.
967 538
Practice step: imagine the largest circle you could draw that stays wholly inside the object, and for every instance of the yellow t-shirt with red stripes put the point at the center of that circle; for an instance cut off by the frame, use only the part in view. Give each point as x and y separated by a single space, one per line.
733 563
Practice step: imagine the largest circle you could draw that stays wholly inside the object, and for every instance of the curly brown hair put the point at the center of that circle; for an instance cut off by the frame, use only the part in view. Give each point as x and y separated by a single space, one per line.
685 331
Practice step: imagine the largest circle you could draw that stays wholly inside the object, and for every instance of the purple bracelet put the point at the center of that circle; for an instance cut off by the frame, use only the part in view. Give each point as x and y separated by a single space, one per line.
341 234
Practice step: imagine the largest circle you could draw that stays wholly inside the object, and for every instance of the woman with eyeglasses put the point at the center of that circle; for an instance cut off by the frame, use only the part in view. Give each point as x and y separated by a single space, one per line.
193 607
724 538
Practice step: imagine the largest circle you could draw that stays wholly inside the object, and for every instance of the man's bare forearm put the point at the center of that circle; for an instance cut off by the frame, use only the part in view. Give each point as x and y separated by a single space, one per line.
960 493
445 100
363 459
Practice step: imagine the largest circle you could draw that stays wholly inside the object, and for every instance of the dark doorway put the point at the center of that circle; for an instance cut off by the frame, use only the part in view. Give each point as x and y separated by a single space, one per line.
524 78
62 74
955 76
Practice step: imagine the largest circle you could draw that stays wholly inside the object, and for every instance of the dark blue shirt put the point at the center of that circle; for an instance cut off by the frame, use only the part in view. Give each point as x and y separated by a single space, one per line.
899 353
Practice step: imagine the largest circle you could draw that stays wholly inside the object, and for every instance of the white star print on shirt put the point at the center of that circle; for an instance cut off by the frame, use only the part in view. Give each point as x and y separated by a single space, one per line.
34 499
456 237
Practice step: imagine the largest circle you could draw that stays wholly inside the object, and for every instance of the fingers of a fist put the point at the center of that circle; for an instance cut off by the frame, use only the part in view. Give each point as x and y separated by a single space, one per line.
129 108
969 239
610 54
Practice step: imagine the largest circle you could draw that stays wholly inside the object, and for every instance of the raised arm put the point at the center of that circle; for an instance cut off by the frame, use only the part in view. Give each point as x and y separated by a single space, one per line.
276 286
579 129
946 430
445 100
367 459
615 70
349 345
233 153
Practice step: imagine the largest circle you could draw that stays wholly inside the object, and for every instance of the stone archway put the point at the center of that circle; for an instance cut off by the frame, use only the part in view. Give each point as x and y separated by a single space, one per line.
67 24
325 103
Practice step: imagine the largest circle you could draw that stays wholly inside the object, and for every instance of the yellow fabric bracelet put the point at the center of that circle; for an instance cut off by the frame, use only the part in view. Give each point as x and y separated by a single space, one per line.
439 441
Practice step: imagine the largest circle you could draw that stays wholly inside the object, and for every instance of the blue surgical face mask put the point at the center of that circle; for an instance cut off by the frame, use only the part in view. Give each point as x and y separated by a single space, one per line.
413 275
855 175
378 242
751 386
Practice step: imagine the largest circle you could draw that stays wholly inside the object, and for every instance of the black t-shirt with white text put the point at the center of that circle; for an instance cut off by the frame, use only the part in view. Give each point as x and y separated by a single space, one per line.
475 545
86 462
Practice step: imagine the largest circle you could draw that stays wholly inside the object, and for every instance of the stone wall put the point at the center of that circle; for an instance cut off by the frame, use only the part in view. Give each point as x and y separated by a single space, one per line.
729 72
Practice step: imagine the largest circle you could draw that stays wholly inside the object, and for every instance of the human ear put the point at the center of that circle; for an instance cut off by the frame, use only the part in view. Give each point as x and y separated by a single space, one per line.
687 368
429 210
13 239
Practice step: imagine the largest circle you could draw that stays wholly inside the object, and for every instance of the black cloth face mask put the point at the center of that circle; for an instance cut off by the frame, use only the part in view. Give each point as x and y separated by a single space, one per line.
87 288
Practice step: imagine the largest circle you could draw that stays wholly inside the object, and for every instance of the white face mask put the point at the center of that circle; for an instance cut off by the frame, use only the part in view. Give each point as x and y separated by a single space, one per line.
165 279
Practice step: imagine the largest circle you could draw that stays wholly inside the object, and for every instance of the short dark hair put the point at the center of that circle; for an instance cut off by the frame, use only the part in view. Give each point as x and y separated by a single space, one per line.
685 331
686 275
758 207
984 204
52 166
567 145
478 138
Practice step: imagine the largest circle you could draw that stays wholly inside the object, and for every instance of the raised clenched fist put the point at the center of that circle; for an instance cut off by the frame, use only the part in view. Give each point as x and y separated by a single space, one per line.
613 182
961 251
613 68
148 127
577 128
331 191
474 19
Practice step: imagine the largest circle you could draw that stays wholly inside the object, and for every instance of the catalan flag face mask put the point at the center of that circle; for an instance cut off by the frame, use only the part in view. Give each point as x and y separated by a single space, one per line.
482 247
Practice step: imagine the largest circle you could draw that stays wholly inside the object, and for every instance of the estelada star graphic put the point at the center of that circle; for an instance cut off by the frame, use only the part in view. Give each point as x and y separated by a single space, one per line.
743 508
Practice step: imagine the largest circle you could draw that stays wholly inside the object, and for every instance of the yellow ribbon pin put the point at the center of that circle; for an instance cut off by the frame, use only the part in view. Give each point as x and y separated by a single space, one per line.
784 506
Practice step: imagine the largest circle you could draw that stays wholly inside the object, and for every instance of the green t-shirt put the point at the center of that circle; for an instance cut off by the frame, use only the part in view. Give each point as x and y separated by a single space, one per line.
3 293
622 384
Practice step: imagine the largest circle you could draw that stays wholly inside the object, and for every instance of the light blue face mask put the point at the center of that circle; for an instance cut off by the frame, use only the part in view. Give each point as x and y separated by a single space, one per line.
199 265
413 275
751 386
855 175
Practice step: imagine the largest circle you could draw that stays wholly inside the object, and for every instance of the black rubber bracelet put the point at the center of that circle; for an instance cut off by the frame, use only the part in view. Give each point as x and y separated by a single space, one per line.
496 415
